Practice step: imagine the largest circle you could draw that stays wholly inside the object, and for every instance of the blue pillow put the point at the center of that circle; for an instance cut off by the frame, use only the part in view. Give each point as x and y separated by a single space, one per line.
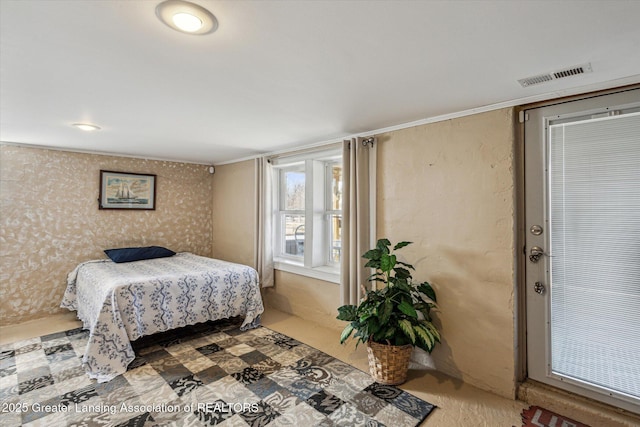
138 254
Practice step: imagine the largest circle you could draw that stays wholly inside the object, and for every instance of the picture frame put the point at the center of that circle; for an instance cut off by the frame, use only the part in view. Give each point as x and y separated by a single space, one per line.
127 190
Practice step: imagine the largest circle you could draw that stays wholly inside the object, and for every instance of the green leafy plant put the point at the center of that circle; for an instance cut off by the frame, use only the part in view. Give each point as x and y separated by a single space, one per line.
398 313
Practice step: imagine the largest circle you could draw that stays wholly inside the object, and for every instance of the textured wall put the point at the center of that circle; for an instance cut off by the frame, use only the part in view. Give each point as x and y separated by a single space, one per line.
234 232
449 188
309 298
50 222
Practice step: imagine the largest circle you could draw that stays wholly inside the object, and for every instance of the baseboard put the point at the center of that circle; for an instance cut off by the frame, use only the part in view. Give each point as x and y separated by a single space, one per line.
34 328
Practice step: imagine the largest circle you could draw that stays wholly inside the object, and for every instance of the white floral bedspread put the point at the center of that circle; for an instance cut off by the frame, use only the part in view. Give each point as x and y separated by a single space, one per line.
120 303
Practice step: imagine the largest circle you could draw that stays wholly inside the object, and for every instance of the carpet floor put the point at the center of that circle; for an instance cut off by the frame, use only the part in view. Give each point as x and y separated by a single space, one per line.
204 375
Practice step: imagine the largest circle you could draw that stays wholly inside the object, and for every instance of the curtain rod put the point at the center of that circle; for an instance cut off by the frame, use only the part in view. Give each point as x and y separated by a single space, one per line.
369 140
306 150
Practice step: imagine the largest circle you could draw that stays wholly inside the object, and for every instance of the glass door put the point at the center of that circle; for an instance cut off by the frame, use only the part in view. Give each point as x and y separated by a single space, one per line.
582 198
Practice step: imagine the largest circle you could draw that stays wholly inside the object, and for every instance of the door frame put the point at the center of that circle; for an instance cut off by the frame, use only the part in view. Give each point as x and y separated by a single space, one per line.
522 370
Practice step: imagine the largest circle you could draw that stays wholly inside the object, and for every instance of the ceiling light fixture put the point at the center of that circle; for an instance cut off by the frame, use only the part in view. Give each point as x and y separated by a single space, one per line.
186 17
86 126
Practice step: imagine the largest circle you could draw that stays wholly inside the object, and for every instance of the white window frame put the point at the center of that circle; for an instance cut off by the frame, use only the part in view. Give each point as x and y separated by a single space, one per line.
282 212
316 261
328 213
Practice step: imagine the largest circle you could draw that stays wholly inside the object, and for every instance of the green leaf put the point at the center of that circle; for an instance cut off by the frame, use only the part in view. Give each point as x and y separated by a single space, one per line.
406 265
362 332
373 263
387 262
402 273
391 332
383 244
426 289
423 308
372 254
401 245
377 276
348 313
385 314
425 336
377 337
407 308
373 325
346 332
407 328
433 329
403 286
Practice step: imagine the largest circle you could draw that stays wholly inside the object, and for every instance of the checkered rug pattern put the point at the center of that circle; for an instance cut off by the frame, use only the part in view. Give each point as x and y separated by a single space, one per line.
204 375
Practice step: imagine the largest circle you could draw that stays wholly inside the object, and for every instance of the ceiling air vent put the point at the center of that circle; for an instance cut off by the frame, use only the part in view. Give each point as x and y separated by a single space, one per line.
567 72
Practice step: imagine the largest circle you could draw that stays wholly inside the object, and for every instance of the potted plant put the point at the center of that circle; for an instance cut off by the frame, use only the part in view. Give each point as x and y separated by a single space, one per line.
392 319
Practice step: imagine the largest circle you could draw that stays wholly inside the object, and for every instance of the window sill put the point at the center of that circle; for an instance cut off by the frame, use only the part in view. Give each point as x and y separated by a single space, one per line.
328 274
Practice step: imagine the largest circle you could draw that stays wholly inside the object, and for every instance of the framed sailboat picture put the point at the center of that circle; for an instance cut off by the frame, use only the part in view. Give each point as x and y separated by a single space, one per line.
123 190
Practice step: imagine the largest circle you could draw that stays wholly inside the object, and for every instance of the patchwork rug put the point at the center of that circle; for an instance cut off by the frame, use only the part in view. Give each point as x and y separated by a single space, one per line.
536 416
204 375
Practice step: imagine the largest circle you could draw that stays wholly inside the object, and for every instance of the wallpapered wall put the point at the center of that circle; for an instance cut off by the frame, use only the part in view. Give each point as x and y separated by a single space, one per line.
50 221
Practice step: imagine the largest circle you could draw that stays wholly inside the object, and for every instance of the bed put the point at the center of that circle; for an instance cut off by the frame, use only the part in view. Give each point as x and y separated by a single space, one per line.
121 302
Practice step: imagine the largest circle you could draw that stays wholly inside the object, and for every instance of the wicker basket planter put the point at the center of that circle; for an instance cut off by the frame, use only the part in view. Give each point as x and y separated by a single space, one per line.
388 364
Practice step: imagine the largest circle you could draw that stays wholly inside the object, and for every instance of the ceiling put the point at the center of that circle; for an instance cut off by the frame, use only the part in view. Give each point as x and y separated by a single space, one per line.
283 74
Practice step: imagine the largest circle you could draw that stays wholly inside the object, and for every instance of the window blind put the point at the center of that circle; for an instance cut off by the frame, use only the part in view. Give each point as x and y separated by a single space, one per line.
594 207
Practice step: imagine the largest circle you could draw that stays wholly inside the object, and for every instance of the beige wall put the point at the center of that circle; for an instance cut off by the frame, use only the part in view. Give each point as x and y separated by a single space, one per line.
309 298
449 188
234 213
234 236
50 221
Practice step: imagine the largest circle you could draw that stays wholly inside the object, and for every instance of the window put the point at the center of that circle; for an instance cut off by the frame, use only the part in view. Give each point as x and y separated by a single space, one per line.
292 212
308 213
334 211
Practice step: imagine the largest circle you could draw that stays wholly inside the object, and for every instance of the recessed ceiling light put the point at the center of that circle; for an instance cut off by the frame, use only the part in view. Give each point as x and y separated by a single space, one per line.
86 126
187 22
186 17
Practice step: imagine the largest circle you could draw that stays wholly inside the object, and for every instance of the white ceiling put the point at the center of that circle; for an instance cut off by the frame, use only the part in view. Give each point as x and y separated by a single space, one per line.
281 74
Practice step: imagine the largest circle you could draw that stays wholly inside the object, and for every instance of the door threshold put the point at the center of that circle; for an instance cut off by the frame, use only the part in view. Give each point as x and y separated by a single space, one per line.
579 408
